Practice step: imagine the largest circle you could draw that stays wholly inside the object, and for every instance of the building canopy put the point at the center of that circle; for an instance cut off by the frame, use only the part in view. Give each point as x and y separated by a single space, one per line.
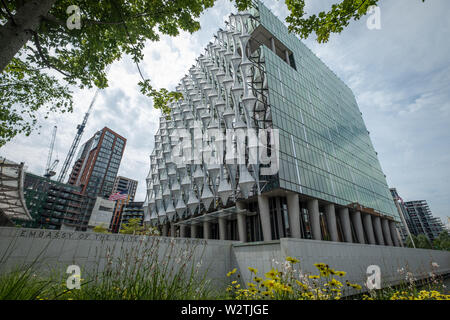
12 201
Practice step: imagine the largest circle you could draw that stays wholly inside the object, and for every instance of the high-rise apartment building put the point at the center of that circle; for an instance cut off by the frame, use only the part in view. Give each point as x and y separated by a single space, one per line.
52 203
95 169
128 186
125 184
98 162
133 210
266 143
416 218
422 220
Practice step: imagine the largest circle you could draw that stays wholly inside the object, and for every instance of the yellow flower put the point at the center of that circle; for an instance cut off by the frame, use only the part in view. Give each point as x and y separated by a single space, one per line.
231 272
269 284
286 288
301 284
253 270
314 277
292 260
257 279
320 265
341 273
272 274
234 282
334 283
354 286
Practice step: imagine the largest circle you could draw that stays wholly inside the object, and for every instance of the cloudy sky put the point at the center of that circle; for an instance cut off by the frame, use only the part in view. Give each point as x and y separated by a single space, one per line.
400 75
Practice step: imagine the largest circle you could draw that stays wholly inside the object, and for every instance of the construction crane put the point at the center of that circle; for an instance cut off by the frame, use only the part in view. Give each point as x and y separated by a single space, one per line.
76 141
50 167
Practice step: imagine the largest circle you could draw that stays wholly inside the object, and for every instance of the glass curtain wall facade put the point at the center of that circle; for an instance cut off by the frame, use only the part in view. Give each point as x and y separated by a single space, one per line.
258 76
95 170
326 151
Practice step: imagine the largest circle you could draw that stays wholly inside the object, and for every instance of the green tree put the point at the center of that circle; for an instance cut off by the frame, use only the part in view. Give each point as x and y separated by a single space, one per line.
423 242
134 227
101 229
409 243
41 58
326 22
442 242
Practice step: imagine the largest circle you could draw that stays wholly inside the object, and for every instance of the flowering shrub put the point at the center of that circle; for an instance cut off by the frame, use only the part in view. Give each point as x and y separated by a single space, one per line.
290 283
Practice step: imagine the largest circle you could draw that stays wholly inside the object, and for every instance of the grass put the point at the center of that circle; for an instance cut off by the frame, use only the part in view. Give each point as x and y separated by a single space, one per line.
151 272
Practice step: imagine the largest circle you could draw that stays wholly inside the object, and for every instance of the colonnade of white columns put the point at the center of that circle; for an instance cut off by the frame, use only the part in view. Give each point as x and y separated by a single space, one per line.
367 228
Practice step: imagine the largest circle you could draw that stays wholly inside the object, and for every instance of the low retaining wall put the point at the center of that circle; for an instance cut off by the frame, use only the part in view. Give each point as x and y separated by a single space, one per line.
91 251
349 257
56 250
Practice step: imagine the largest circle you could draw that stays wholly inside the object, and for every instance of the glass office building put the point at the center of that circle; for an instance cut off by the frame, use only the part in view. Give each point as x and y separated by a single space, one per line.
258 77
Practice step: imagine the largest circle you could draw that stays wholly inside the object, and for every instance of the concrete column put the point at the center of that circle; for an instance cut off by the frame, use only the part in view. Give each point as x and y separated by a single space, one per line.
331 222
242 227
294 214
314 218
345 222
206 230
182 231
386 232
222 229
394 234
173 230
368 226
272 44
241 222
194 231
264 215
378 230
357 223
165 230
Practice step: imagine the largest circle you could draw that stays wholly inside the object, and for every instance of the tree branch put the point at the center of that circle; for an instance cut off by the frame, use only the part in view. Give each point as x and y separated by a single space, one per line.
42 55
19 3
51 18
9 13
